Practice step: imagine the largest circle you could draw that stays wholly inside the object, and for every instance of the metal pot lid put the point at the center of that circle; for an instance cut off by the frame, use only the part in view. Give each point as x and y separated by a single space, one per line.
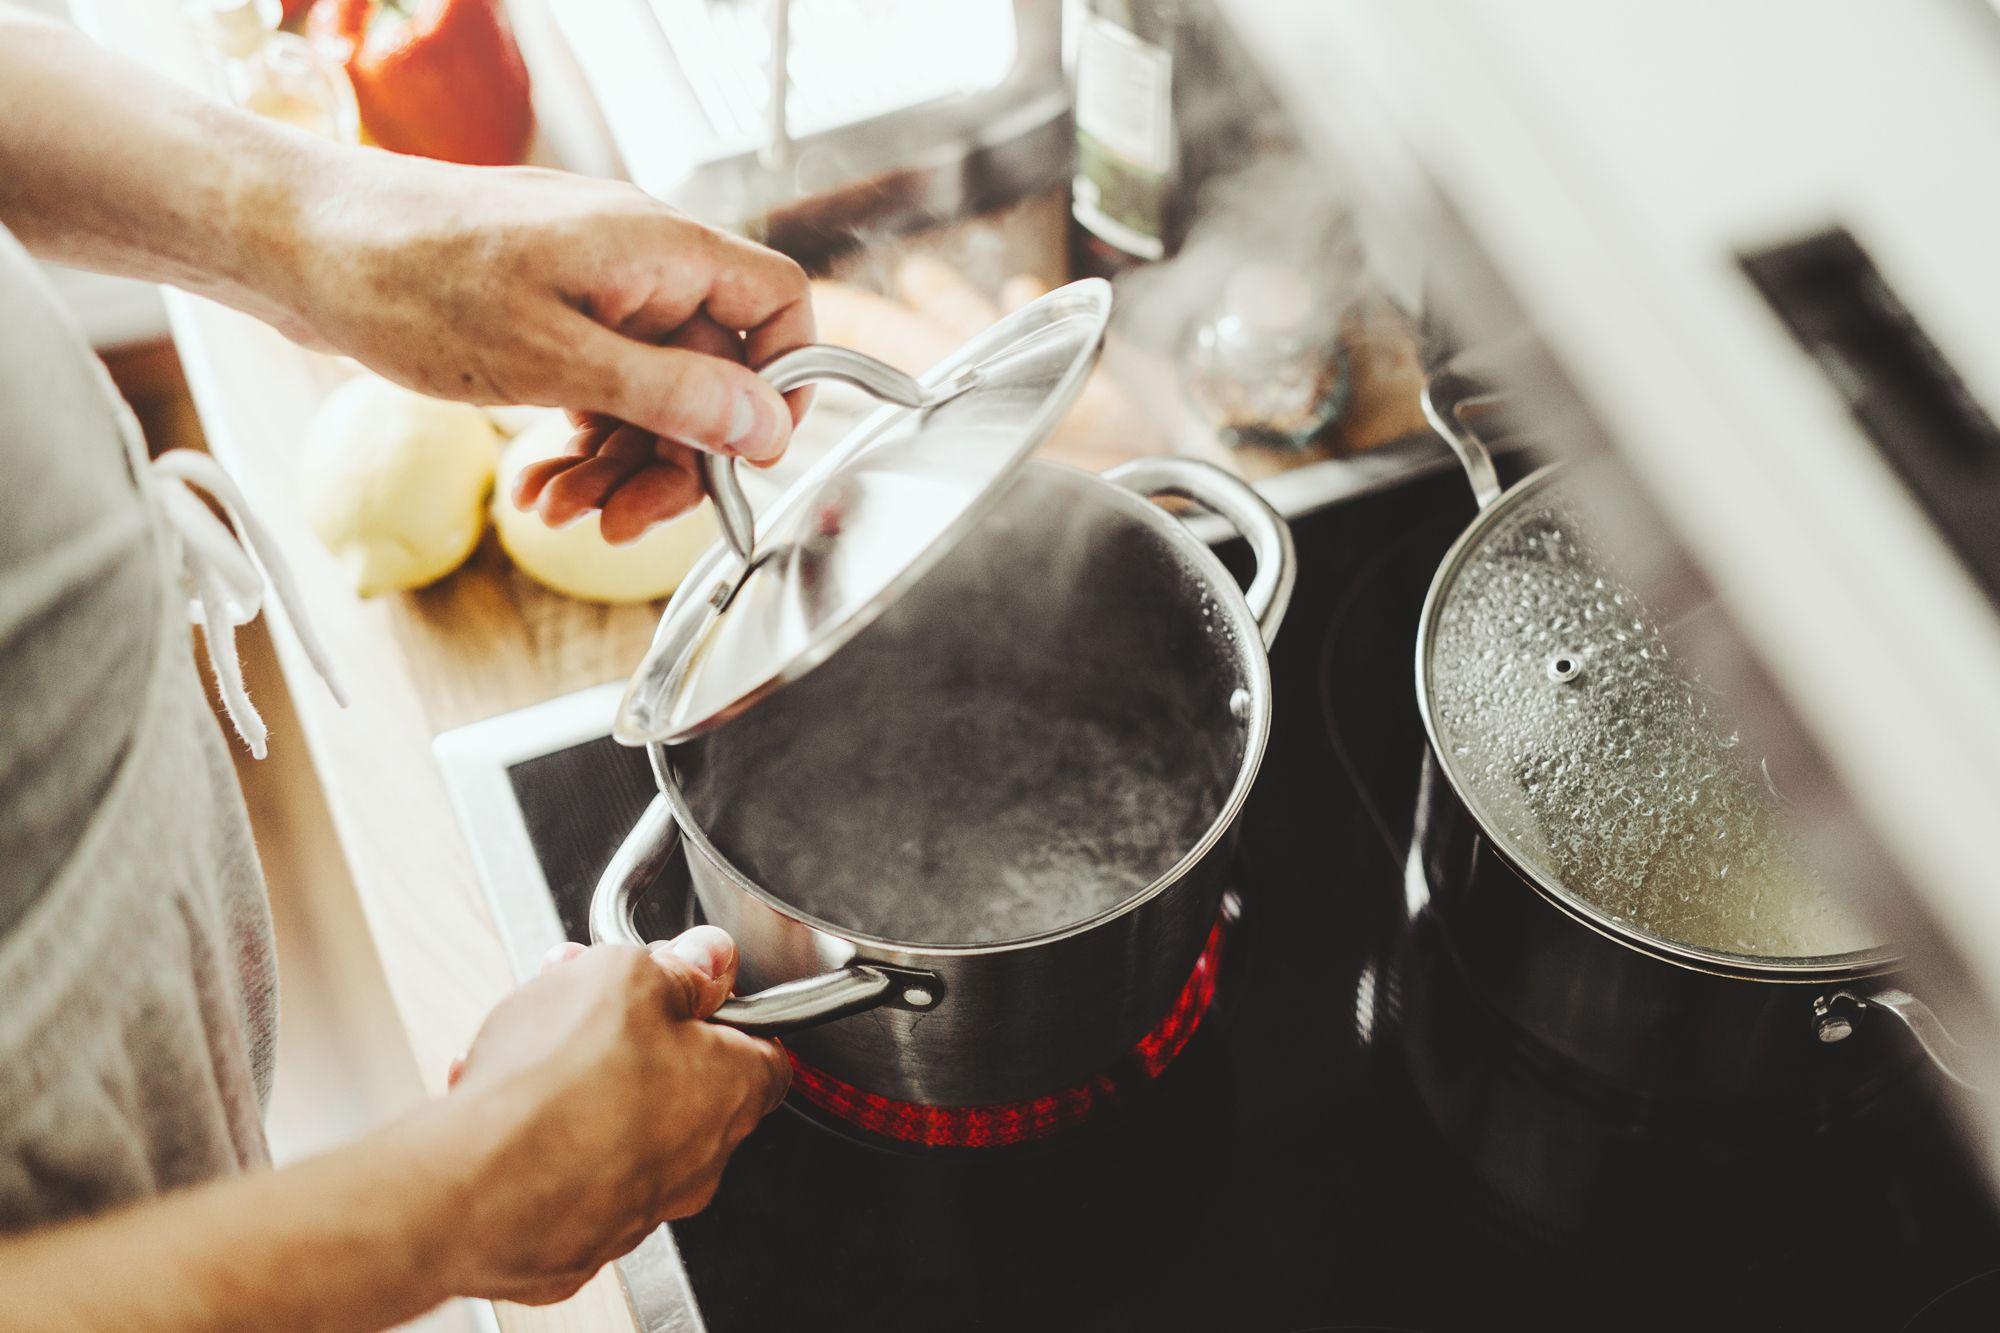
1596 759
868 520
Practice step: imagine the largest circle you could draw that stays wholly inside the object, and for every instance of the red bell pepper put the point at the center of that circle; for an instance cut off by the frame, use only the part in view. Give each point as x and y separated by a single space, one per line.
440 78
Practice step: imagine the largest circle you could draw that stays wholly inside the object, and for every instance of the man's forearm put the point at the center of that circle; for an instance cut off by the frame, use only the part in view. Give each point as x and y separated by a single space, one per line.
109 166
352 1240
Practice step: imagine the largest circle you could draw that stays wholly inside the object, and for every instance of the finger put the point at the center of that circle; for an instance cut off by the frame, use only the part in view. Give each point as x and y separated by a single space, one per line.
702 334
710 955
705 401
562 953
769 298
590 436
584 442
767 344
632 443
777 1076
585 487
799 400
764 1068
653 495
533 479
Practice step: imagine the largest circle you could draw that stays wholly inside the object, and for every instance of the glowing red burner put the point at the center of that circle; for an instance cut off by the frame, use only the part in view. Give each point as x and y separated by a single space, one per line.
1038 1117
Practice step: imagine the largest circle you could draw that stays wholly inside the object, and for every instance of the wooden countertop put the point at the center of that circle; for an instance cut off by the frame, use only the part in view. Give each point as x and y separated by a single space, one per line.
481 642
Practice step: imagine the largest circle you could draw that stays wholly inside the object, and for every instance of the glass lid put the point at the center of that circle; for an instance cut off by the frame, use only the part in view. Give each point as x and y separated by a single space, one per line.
1596 759
868 520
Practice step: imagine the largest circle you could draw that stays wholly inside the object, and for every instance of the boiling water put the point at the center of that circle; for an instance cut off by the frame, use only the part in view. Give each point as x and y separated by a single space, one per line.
1627 783
961 818
1035 731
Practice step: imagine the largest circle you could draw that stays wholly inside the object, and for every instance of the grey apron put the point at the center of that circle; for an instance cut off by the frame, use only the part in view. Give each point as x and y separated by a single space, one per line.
138 993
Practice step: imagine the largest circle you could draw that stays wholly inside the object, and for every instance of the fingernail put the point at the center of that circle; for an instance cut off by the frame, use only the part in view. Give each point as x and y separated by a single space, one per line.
705 949
749 431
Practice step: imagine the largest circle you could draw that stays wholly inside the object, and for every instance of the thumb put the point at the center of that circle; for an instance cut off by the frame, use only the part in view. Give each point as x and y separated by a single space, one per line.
704 961
693 398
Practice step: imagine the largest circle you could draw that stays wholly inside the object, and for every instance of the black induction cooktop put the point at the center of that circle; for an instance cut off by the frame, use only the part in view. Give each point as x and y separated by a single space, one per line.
1282 1174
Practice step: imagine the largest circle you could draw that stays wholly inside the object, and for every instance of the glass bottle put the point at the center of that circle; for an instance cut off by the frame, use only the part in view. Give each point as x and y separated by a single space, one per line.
1163 101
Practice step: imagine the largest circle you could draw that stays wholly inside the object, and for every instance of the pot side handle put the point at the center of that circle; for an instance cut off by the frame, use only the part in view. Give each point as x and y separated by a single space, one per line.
1448 394
1833 1018
1270 537
784 1008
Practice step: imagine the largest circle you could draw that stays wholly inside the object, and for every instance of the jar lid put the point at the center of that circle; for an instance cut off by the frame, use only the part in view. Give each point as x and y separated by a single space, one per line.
868 520
1596 760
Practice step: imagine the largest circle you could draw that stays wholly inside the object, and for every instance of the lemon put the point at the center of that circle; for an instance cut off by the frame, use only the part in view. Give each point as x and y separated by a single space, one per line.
576 559
395 483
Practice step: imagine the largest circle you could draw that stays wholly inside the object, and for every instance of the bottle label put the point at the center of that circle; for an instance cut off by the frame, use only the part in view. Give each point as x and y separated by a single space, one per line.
1124 137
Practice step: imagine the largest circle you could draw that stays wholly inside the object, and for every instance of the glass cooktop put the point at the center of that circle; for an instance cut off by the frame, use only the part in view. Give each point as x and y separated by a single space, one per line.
1282 1174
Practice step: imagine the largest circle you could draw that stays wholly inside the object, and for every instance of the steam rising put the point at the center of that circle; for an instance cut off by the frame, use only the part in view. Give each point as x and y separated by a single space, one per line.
1003 753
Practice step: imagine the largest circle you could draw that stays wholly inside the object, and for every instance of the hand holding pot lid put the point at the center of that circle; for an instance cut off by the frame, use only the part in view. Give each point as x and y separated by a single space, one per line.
867 521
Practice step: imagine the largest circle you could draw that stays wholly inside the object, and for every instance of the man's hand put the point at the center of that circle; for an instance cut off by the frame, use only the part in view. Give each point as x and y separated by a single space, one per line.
526 286
594 1105
600 1105
494 285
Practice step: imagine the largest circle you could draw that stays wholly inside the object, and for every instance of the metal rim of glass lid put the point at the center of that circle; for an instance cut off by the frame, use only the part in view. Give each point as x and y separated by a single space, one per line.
1604 770
864 523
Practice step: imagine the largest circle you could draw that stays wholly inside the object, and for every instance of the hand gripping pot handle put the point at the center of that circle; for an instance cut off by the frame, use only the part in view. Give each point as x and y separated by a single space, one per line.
1270 538
783 1008
797 367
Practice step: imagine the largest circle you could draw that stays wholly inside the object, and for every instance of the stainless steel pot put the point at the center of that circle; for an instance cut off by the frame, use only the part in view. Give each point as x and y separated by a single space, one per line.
1137 622
1649 1013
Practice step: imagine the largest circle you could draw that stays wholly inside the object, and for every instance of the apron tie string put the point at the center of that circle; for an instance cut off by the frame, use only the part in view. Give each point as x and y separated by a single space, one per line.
225 574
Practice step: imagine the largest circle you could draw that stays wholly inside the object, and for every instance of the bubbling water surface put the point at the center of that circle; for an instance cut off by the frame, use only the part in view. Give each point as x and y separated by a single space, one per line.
1037 730
978 817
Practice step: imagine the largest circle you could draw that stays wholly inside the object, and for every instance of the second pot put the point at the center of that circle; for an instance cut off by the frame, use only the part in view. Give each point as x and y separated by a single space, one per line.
1611 871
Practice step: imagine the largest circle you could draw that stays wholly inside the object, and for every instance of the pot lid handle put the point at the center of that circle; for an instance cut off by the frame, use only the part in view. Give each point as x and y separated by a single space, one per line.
804 365
800 366
786 589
